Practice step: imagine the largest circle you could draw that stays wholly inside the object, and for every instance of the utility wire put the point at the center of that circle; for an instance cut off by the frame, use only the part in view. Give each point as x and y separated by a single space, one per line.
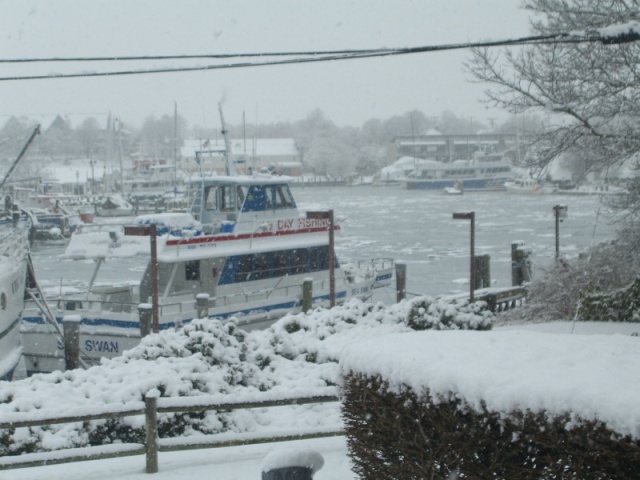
305 57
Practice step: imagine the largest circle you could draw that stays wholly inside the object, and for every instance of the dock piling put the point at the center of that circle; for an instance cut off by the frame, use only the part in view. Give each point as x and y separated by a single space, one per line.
71 329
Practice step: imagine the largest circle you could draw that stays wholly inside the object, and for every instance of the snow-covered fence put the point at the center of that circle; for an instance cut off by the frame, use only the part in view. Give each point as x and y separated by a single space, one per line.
150 408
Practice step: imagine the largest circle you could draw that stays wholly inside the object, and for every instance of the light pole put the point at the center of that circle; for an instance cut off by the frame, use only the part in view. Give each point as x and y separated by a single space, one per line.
93 176
472 277
560 212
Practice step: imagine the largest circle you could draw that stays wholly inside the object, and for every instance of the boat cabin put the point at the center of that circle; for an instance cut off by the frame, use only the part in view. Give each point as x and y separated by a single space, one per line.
240 204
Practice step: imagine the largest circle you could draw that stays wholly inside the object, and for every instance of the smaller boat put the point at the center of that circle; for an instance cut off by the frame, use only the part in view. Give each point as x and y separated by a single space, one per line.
114 206
457 189
527 186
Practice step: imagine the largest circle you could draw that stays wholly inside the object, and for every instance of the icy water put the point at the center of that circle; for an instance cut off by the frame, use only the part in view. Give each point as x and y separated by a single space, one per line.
415 227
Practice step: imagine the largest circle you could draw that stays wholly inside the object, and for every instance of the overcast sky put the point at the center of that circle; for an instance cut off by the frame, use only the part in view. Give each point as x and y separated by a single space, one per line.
348 92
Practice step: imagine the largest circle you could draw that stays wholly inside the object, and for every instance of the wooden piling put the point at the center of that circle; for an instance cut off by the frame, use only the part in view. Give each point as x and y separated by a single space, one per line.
401 281
307 294
482 268
145 314
202 305
71 328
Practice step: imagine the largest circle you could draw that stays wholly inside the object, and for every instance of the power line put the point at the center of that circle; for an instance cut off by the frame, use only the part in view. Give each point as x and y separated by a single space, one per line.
307 57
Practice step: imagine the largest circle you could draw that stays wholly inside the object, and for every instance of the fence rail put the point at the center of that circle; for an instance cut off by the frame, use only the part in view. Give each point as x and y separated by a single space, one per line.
151 407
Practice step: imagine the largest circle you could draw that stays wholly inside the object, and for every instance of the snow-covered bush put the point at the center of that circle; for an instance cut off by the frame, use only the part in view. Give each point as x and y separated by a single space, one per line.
554 293
297 355
622 305
443 314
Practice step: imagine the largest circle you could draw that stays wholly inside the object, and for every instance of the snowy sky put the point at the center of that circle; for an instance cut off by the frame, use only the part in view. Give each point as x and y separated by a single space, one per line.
349 92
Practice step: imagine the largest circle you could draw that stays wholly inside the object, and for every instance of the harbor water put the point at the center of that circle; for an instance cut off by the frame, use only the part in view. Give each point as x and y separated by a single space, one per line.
415 227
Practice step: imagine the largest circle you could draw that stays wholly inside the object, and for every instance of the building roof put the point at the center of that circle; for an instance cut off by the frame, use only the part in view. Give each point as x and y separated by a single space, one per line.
264 147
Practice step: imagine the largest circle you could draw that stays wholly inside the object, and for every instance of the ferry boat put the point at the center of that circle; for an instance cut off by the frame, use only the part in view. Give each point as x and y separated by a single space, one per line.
486 172
245 248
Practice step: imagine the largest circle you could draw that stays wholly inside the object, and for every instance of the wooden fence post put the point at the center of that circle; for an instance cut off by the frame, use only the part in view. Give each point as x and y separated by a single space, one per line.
307 294
71 328
401 281
151 424
144 313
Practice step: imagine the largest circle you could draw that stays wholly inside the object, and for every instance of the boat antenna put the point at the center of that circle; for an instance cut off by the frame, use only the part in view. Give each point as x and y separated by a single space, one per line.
35 132
228 157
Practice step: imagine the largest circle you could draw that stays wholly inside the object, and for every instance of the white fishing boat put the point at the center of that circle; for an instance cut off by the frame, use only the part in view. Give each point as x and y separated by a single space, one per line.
14 250
243 251
14 245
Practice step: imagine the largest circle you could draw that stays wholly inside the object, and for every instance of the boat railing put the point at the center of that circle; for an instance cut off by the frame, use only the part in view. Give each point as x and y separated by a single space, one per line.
186 301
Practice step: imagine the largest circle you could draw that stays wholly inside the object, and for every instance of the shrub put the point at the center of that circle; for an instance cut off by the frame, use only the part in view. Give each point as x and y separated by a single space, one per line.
427 313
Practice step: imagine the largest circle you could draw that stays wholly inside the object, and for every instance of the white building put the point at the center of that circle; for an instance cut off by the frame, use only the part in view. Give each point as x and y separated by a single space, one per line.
279 154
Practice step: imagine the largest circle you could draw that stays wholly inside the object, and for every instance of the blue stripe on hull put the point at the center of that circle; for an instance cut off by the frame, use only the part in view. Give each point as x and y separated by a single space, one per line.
467 184
135 325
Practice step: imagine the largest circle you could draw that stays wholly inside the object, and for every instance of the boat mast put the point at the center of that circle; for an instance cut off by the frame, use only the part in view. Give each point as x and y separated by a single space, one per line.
228 157
35 132
175 149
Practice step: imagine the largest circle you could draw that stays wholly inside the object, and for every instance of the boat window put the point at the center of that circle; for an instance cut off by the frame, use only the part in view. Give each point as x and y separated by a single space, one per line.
192 270
298 261
243 273
285 198
242 193
227 198
319 259
254 201
279 263
210 202
269 198
279 201
260 266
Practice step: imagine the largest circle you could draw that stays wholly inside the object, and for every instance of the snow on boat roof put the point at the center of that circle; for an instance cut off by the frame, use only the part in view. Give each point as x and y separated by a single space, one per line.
588 376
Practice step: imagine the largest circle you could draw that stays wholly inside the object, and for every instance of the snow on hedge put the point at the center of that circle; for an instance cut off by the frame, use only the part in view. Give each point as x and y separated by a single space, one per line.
589 376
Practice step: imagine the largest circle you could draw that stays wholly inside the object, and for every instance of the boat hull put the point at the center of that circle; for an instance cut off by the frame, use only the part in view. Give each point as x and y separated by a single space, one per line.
468 184
107 334
13 243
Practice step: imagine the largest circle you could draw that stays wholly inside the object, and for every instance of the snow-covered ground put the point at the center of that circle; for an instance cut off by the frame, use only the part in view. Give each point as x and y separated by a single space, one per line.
538 366
233 463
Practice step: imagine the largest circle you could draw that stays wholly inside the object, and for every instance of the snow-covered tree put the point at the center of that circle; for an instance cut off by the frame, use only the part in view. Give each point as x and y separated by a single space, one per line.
588 91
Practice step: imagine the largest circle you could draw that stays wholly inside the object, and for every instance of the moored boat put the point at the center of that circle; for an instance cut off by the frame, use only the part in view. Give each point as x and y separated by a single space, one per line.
527 186
114 205
14 246
243 251
14 250
487 172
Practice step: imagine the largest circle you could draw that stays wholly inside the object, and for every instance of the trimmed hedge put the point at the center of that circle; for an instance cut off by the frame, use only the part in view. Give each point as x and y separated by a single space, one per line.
409 435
